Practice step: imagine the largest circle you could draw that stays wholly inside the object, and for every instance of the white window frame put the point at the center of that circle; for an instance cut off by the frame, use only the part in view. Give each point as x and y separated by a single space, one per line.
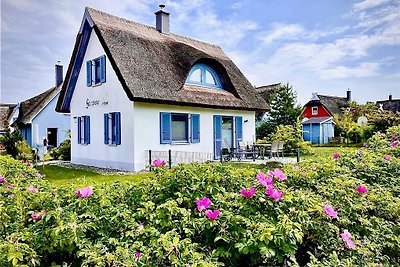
314 110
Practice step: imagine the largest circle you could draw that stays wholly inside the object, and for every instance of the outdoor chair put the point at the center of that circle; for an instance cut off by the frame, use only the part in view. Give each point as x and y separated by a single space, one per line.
280 147
274 149
227 152
243 151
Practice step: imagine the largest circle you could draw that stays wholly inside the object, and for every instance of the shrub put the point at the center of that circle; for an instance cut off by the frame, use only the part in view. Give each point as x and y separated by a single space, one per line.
24 151
158 222
63 151
10 140
292 136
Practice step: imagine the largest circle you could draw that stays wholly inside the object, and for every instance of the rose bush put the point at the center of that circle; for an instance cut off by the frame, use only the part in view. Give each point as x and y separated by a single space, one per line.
210 215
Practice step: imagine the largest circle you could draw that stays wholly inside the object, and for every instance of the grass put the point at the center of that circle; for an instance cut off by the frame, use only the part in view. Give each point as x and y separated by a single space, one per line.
328 151
59 175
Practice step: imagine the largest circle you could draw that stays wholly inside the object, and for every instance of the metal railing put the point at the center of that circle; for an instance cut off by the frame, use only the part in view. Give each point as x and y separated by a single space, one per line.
176 157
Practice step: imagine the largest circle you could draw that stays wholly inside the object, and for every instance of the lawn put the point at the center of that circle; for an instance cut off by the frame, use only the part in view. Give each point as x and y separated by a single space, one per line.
327 151
60 175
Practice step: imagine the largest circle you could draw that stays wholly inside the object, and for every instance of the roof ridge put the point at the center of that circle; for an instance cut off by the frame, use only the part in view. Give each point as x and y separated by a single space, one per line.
333 96
151 27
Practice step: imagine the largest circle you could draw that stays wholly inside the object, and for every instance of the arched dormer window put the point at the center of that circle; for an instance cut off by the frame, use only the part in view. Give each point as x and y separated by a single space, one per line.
204 75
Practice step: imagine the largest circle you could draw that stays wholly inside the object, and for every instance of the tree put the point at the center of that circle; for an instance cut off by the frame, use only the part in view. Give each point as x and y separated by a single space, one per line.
10 140
284 111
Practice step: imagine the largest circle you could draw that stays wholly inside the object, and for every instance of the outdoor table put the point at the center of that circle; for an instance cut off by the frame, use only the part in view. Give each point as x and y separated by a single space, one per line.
261 149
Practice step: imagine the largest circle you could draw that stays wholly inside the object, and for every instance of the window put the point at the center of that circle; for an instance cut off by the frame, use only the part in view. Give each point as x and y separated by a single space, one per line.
84 130
96 71
179 127
204 75
314 110
112 128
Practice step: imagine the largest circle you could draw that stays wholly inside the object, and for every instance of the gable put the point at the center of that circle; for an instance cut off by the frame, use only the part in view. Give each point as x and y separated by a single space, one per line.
322 111
29 108
153 67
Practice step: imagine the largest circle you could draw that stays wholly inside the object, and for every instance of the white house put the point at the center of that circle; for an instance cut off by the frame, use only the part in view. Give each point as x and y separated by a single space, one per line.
131 88
37 119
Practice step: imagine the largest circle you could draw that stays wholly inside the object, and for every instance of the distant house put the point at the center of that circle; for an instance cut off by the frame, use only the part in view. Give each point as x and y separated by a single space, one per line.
389 104
318 126
131 88
266 92
5 114
37 119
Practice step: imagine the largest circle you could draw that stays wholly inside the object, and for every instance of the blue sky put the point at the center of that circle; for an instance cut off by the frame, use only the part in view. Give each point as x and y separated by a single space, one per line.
317 46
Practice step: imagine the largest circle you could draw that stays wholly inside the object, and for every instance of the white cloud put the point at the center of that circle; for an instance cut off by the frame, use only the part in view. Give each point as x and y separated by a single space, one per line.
198 19
367 4
280 31
366 69
236 5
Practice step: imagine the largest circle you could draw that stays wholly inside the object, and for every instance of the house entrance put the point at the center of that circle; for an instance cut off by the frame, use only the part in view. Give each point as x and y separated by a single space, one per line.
52 137
228 132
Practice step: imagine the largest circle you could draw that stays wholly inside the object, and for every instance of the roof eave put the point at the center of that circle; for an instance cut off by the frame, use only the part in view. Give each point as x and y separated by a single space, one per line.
169 102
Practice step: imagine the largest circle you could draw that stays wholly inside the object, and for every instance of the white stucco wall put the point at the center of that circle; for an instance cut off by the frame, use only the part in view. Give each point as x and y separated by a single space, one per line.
112 98
140 122
49 118
147 129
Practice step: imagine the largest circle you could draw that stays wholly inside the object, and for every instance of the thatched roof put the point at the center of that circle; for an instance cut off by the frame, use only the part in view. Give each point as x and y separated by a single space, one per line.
5 113
29 108
267 91
153 67
392 105
333 104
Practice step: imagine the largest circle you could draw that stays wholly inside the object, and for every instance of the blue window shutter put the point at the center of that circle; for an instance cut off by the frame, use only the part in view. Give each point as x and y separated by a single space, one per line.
106 128
89 73
118 128
79 130
87 130
239 129
165 128
103 69
195 128
217 136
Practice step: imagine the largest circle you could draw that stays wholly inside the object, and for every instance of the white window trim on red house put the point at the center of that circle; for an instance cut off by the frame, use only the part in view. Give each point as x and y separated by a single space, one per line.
314 111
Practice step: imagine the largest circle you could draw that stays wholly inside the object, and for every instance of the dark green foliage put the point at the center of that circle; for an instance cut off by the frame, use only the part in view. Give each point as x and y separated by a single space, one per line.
264 129
284 111
10 140
63 151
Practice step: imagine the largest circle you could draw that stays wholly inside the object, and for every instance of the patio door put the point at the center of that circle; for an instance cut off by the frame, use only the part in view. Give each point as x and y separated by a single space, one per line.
227 131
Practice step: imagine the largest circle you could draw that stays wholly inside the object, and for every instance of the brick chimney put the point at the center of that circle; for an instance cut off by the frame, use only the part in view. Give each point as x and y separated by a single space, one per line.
59 73
162 20
348 95
390 97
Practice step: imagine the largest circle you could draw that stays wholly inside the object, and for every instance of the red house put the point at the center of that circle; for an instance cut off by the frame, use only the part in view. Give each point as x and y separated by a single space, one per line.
323 106
318 126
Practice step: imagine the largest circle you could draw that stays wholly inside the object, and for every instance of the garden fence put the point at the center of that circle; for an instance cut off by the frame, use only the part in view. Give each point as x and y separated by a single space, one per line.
176 157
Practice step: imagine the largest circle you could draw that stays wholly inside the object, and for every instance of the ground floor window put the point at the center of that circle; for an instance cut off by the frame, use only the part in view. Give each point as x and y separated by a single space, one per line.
179 127
112 128
84 130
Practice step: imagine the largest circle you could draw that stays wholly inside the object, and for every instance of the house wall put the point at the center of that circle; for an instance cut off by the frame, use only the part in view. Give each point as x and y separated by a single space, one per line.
322 112
327 132
94 102
306 132
26 131
315 133
147 126
49 118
